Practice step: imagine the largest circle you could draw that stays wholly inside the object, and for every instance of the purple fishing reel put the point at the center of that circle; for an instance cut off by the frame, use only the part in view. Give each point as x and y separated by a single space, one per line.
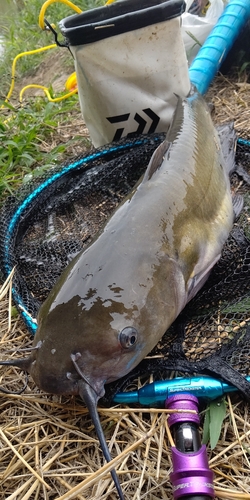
191 477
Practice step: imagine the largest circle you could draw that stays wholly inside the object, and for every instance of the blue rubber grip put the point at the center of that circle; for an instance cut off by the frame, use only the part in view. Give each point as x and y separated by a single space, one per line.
210 56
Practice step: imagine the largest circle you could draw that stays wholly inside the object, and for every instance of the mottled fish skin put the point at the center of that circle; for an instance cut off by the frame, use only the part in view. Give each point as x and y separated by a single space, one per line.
148 261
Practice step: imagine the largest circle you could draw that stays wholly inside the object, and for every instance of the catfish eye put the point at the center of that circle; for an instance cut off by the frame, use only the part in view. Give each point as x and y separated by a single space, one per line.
128 337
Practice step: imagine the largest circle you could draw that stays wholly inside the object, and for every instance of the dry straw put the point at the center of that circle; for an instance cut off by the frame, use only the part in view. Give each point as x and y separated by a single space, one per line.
48 447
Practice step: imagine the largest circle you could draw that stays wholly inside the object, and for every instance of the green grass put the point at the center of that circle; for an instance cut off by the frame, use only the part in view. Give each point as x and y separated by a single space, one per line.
23 134
22 33
29 139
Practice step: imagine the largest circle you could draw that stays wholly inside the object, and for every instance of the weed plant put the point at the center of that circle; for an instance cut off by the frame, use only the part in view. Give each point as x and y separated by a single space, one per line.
22 33
29 139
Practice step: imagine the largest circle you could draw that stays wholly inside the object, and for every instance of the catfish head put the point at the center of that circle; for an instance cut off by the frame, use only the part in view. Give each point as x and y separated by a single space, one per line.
91 335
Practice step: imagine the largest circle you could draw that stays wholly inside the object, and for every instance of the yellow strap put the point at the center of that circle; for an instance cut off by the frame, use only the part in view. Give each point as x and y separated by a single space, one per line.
72 78
46 91
22 54
48 3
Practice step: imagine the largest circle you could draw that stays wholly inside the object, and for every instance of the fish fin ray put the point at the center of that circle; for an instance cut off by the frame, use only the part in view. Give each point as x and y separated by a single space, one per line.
196 282
238 203
177 121
157 159
228 140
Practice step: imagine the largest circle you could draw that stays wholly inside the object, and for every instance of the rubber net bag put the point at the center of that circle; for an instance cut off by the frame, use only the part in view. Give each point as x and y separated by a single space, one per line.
130 60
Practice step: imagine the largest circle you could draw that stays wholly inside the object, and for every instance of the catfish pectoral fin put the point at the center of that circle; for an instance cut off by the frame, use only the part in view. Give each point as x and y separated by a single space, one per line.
90 398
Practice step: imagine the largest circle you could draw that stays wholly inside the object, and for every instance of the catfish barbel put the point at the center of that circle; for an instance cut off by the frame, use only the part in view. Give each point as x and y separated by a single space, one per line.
117 298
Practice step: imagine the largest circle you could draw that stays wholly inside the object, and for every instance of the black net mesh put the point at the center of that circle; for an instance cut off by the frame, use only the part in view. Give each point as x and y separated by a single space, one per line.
51 219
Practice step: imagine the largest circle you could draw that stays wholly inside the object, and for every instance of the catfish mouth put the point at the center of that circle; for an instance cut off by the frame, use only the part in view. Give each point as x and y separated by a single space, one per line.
99 387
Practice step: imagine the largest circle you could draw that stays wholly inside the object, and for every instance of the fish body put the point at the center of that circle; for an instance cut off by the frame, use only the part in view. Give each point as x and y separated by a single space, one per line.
148 261
116 299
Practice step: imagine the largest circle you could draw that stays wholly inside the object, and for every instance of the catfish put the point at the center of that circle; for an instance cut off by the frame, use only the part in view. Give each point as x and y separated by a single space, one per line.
116 299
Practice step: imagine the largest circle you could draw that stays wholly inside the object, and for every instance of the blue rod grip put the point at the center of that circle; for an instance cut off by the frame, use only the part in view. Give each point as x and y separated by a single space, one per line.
157 392
210 56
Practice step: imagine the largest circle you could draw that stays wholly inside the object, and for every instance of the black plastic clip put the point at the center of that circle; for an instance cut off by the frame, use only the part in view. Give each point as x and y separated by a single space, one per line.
48 25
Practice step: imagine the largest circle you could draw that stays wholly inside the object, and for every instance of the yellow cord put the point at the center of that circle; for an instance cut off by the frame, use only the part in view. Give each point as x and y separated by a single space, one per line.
48 3
22 54
71 82
46 91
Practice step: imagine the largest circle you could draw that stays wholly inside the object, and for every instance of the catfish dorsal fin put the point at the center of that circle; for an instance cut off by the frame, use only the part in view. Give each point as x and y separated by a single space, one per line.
173 131
157 159
177 120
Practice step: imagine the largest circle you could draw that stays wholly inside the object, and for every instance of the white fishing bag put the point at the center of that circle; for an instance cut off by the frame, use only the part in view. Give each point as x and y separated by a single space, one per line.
130 62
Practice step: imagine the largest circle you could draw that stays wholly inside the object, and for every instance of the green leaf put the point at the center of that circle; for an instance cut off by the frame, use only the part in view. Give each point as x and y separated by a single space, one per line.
206 427
14 312
197 42
6 104
217 410
244 66
240 307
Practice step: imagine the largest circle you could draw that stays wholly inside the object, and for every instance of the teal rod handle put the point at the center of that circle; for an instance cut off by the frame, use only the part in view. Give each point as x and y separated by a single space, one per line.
217 45
157 392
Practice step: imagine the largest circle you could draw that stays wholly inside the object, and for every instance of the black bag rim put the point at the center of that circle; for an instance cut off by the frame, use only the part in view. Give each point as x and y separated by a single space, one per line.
115 19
